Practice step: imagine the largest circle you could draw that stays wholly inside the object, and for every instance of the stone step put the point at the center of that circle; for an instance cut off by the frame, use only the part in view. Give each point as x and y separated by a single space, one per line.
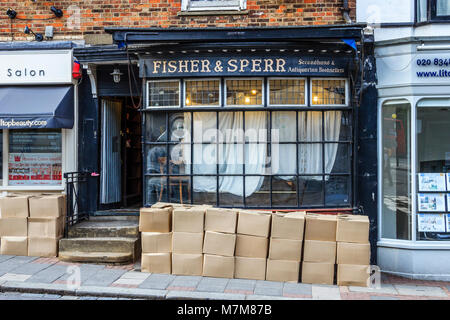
102 229
96 257
105 244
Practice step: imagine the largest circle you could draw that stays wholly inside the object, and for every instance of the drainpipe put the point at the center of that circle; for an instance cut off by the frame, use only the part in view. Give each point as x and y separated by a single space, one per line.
346 13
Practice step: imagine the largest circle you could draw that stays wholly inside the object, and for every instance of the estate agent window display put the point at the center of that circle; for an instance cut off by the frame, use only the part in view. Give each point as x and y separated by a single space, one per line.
249 142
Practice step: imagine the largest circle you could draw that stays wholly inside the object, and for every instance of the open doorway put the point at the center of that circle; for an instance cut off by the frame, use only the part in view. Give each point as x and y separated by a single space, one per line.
120 156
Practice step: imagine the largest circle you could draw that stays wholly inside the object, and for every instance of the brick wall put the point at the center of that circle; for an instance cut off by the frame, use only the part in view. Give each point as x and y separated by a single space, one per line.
83 17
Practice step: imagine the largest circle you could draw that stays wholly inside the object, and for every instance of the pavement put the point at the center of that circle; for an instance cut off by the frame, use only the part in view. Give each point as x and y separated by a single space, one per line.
33 278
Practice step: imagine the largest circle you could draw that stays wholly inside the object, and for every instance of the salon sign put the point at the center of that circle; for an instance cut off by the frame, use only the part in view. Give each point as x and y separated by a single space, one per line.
243 66
35 67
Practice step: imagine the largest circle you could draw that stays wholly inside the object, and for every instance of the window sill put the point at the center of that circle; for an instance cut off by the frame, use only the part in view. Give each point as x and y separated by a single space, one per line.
212 12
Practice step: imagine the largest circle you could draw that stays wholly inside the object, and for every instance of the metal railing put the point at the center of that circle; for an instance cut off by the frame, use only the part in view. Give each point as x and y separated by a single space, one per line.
76 209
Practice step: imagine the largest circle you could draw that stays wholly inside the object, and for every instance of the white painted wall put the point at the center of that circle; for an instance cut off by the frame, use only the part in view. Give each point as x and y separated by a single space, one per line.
384 11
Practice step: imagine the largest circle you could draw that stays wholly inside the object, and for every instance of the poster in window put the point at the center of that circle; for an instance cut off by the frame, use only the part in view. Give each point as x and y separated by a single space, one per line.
430 222
432 182
431 202
35 169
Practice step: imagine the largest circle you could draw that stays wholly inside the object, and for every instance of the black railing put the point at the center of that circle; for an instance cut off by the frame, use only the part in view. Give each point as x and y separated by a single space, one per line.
76 209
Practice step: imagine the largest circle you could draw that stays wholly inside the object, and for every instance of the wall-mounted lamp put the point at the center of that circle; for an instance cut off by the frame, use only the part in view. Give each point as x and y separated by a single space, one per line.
11 13
116 75
37 36
58 12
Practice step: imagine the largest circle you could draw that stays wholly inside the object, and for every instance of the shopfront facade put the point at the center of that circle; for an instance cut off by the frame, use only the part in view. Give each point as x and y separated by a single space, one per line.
414 133
37 124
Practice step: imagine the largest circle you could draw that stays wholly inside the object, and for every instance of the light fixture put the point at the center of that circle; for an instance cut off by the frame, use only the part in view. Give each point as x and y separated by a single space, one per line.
247 100
116 75
37 36
188 101
57 12
254 92
11 13
316 99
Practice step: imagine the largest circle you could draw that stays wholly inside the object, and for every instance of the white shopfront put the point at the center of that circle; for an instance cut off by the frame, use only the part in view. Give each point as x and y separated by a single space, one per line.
38 135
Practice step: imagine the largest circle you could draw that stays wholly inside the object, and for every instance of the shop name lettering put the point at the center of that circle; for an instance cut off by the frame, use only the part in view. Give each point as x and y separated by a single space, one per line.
25 73
250 65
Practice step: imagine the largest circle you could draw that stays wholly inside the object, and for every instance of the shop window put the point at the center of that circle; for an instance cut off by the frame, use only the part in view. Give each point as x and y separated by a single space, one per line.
203 5
288 92
433 10
35 158
164 93
329 92
433 170
396 170
202 93
244 92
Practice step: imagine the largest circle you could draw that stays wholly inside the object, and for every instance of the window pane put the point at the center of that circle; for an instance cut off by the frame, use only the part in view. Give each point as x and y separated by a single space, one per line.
310 126
155 127
204 190
202 93
256 124
287 91
337 158
283 158
337 126
231 191
180 189
337 190
310 191
215 3
35 157
328 92
284 191
422 10
442 8
156 190
156 157
433 156
310 158
1 156
257 191
396 179
205 158
244 92
283 126
163 94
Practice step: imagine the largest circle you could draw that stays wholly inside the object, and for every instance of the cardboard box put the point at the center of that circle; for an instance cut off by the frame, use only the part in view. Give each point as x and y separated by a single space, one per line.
47 206
250 268
187 242
251 246
187 264
14 227
353 275
45 227
14 206
319 251
320 227
156 242
219 243
156 262
353 253
285 249
254 223
218 266
155 220
14 246
43 247
318 273
220 220
282 270
352 228
288 226
188 219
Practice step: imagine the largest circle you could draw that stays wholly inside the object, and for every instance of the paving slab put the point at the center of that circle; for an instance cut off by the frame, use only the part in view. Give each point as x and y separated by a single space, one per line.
15 277
30 287
383 298
157 281
127 282
297 289
185 282
182 295
135 275
5 257
30 268
324 292
414 290
49 274
245 286
104 277
23 259
209 284
269 288
85 272
259 297
120 292
384 288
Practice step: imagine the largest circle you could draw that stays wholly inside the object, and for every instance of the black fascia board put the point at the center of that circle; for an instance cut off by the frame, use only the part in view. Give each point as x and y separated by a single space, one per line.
145 35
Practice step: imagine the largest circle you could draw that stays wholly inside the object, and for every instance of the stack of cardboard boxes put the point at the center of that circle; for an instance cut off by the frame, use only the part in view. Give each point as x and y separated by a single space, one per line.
219 243
31 225
319 253
285 250
252 244
353 250
155 225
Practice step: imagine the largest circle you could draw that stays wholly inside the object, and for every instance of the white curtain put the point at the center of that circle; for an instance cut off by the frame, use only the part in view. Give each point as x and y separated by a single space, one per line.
443 7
